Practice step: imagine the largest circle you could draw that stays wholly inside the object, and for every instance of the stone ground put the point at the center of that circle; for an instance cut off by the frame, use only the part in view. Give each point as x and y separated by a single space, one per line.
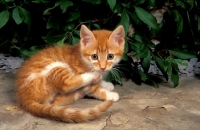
141 107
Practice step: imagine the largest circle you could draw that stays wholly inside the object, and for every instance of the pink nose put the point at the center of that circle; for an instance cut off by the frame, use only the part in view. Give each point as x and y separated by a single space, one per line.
103 69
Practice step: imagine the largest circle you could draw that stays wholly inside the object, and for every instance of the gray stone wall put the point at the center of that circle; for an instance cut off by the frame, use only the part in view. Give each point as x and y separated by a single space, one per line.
9 62
192 69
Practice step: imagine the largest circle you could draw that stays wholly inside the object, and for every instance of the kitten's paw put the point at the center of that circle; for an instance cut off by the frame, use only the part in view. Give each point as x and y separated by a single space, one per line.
91 78
107 85
97 77
79 95
112 96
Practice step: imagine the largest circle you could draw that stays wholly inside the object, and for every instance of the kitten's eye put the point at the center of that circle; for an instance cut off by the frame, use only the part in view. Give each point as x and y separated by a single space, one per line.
94 56
110 56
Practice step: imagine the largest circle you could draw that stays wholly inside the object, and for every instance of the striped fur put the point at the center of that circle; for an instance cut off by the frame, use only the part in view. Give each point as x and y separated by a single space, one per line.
59 75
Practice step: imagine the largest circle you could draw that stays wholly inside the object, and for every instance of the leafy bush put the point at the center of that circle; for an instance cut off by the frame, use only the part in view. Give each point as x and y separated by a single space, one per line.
27 26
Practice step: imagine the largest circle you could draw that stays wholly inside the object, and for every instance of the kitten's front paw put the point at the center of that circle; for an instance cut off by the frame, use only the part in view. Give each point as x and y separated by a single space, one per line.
110 95
97 77
91 78
113 96
107 85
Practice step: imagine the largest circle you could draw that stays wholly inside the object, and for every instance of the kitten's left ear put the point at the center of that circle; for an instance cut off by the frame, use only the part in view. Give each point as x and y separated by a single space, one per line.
117 36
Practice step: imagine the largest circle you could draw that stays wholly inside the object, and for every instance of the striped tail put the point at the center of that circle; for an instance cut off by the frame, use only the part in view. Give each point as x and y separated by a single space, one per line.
65 114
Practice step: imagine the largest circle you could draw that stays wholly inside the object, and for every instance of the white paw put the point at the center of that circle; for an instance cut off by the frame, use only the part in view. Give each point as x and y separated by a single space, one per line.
111 95
91 78
107 85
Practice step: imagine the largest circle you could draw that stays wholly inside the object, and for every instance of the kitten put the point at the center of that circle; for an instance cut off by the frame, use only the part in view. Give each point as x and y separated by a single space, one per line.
59 75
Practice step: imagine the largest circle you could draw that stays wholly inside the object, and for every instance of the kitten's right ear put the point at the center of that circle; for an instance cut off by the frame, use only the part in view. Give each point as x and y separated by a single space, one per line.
86 36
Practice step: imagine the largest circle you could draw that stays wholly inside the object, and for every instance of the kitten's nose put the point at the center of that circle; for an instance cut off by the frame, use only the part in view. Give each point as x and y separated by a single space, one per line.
103 69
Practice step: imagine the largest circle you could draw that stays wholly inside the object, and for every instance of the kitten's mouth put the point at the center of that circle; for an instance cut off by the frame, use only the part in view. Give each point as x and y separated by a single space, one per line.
103 71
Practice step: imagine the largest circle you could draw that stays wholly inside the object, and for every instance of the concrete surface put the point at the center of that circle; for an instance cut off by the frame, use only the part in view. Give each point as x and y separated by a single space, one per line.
139 108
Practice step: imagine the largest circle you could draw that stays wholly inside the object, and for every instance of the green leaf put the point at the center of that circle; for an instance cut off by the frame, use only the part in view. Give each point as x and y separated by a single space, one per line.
138 2
126 48
125 57
153 83
26 52
69 27
73 16
45 1
146 17
65 4
143 75
75 40
138 38
56 4
161 63
112 4
115 76
25 15
16 16
53 23
29 52
191 3
134 17
118 8
169 69
180 3
166 64
179 22
2 2
198 20
135 46
9 0
175 66
175 79
4 17
125 21
93 1
53 37
152 3
97 26
36 1
61 42
181 62
143 54
146 61
142 39
154 32
182 54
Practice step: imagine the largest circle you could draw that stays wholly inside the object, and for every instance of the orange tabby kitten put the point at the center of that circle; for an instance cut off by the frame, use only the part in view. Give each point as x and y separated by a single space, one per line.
59 75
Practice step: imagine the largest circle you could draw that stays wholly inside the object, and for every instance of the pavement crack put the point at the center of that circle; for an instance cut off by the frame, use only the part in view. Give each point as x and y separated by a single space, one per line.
107 121
127 121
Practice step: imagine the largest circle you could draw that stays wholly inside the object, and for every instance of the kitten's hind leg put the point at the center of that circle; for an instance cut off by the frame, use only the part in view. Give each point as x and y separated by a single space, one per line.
64 99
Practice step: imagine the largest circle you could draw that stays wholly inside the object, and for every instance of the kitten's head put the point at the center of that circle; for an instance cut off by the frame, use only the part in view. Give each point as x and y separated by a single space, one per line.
102 48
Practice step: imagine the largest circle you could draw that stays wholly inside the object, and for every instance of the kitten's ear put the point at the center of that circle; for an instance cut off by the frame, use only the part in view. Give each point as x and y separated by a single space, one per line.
86 36
117 36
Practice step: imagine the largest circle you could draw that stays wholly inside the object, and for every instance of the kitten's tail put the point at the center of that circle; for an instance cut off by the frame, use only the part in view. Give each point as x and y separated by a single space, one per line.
62 113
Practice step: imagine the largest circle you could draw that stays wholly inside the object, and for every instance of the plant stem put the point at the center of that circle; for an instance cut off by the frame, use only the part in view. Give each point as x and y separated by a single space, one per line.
191 27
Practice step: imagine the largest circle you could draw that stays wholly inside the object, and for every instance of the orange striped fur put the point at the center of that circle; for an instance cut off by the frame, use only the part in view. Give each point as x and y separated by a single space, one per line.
59 75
